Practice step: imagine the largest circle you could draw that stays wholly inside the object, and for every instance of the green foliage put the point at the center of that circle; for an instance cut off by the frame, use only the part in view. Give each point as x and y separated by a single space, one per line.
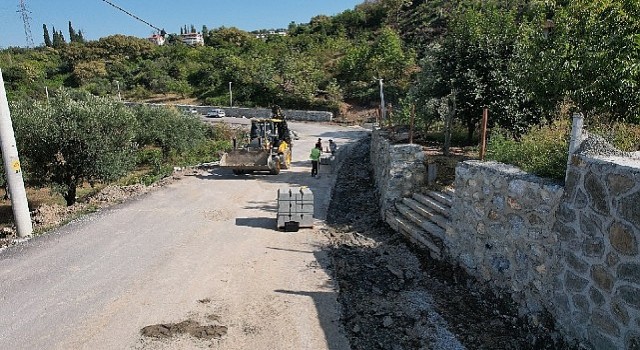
74 138
168 129
589 56
541 151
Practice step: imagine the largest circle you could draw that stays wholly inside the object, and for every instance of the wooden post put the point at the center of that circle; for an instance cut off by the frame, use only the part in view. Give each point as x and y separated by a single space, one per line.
413 117
483 136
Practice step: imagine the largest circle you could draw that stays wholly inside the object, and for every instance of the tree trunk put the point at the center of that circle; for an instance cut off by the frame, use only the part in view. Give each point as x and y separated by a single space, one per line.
70 194
471 127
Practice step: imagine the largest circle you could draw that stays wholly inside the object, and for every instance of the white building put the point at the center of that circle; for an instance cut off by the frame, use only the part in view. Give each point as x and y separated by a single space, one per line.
156 39
193 39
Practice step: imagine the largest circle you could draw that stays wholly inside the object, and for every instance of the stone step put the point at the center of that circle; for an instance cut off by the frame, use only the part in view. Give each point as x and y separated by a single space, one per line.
441 197
432 203
413 233
426 213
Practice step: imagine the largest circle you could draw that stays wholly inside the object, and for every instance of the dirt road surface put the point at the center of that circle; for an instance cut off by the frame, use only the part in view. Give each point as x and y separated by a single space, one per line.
196 264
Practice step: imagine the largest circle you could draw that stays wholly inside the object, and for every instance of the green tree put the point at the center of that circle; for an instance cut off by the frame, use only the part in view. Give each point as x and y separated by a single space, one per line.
475 59
58 39
168 129
586 51
47 38
75 138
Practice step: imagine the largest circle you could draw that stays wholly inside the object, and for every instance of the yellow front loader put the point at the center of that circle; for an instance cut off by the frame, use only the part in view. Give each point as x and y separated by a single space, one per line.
268 149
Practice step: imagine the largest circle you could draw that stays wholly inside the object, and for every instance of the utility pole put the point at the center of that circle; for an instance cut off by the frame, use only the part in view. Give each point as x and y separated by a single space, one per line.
12 169
230 96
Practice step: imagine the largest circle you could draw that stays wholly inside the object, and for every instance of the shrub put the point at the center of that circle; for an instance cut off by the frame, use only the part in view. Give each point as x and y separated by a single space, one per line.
541 151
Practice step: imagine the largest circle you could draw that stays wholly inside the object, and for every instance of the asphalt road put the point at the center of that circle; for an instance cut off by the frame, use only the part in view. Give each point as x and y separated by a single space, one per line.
203 249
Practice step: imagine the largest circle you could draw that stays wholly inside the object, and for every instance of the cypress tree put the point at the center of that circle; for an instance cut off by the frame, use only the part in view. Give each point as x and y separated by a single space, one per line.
80 37
47 38
72 33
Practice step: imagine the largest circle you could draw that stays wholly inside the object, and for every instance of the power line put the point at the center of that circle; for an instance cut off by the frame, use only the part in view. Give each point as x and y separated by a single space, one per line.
132 15
24 12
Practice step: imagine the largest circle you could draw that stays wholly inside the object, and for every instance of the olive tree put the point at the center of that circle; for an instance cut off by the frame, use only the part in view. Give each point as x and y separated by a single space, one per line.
75 138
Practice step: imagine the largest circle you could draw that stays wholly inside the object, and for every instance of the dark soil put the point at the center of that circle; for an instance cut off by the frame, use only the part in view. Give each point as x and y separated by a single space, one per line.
394 296
190 327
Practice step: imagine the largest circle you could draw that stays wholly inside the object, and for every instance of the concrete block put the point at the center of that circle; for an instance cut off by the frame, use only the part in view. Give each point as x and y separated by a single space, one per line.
286 194
295 204
304 220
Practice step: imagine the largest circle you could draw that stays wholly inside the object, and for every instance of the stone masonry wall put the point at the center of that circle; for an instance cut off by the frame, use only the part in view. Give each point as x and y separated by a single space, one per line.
572 250
398 169
598 228
501 229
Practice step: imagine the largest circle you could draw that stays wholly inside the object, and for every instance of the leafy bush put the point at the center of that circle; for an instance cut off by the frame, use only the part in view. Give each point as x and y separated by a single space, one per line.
541 151
169 129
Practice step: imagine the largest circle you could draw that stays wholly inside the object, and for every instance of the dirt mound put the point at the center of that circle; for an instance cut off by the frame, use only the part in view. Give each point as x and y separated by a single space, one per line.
190 327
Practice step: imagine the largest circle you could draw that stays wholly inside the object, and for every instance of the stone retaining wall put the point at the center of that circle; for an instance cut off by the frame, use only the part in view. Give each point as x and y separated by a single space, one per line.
398 169
573 250
598 227
317 116
501 228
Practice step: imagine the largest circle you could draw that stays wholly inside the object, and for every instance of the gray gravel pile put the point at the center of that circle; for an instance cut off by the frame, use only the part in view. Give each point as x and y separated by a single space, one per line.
595 145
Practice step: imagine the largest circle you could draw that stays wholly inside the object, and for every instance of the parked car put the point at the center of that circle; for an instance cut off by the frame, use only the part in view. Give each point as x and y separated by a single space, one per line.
193 111
215 113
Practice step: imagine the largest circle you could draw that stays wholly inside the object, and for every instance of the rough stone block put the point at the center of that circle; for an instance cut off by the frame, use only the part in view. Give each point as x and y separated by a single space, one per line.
574 282
630 208
596 297
630 272
601 277
593 247
619 311
630 295
581 303
577 264
597 193
622 238
605 323
620 183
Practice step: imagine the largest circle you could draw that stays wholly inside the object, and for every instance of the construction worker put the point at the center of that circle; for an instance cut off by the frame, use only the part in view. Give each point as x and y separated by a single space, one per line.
282 149
315 158
332 147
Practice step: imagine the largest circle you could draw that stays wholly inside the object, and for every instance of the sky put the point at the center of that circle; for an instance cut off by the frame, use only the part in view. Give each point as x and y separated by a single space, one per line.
96 18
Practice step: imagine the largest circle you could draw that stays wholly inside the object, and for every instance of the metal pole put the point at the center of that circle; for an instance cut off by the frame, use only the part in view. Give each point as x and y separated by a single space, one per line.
483 145
383 110
46 90
119 96
13 172
230 96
